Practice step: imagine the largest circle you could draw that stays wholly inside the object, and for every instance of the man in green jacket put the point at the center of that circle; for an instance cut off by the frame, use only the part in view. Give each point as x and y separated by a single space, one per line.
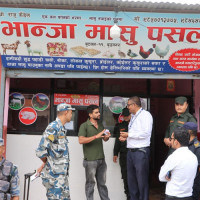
120 148
182 116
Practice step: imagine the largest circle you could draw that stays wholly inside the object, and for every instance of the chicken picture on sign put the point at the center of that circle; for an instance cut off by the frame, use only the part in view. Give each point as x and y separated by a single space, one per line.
40 102
27 116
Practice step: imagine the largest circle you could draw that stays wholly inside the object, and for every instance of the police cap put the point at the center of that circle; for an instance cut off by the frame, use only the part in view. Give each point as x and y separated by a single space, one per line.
180 100
64 106
190 126
125 112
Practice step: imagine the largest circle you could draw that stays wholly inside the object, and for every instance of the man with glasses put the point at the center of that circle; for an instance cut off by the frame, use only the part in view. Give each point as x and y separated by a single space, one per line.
138 143
181 116
179 170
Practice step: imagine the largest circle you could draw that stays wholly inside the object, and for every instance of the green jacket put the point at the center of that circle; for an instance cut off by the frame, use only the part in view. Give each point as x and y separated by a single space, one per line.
178 121
120 147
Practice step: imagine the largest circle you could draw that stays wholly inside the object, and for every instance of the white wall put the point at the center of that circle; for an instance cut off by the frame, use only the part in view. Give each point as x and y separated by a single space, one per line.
21 151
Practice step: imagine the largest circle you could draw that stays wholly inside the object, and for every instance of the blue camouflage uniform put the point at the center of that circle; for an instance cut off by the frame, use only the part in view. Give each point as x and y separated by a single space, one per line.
54 146
194 146
9 180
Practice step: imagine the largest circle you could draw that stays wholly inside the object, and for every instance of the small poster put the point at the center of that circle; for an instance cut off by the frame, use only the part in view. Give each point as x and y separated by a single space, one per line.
40 102
16 101
116 104
170 85
27 115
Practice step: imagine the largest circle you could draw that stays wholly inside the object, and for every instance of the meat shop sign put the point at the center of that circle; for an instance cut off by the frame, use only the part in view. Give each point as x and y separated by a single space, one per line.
81 41
76 99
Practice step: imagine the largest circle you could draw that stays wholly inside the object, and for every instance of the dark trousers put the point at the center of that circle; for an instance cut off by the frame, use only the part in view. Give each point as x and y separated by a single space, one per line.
138 173
196 187
123 165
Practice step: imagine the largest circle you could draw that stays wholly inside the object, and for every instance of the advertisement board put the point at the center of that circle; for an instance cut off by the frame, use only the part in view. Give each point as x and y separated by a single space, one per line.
75 40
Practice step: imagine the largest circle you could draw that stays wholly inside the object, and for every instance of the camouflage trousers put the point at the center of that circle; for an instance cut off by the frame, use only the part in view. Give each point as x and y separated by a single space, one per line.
57 187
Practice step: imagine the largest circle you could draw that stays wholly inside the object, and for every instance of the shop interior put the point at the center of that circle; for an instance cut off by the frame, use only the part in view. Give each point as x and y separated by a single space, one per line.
158 94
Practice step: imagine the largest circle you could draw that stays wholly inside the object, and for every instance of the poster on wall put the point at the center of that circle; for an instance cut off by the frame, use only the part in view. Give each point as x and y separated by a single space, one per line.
27 115
76 99
116 104
77 40
16 101
40 102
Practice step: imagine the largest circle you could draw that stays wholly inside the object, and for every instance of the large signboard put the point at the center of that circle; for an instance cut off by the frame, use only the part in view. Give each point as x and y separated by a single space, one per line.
80 41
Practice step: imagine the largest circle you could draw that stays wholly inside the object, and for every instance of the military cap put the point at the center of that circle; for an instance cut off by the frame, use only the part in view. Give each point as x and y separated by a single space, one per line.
64 106
190 126
125 112
180 100
1 142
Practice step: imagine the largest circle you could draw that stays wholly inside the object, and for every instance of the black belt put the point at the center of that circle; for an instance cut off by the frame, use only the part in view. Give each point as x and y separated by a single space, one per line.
181 198
143 149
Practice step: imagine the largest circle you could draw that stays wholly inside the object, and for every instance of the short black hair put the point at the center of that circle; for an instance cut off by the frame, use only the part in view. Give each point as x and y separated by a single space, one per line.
182 136
135 100
90 109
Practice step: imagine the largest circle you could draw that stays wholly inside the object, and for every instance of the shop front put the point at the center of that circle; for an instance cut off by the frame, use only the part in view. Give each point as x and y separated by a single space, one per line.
70 57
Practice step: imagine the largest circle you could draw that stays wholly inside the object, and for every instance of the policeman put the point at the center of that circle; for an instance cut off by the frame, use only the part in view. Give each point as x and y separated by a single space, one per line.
9 178
120 148
178 120
53 151
194 146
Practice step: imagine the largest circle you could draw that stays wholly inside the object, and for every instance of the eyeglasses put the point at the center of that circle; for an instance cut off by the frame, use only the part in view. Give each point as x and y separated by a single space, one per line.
129 104
171 138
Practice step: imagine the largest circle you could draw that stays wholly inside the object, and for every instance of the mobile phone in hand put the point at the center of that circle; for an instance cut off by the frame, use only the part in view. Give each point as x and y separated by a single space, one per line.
168 175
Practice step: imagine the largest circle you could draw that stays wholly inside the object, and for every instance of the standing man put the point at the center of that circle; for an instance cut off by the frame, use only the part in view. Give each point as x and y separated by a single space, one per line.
9 177
138 144
194 146
120 148
91 134
179 170
53 151
178 120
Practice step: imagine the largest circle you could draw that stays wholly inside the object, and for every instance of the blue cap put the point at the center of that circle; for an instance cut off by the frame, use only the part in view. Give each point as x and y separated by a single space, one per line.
64 106
190 126
1 142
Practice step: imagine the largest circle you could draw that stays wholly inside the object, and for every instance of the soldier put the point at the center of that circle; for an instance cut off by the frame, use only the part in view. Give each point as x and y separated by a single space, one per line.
120 147
194 146
9 177
53 151
178 120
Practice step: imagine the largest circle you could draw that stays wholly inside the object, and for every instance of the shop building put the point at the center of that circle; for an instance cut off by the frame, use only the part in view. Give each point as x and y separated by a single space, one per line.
67 55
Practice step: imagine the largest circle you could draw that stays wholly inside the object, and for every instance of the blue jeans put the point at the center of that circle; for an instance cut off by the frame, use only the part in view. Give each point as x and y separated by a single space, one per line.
95 169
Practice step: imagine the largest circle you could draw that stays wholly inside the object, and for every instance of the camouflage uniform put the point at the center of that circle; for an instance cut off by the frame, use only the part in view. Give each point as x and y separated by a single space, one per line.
194 146
54 146
9 180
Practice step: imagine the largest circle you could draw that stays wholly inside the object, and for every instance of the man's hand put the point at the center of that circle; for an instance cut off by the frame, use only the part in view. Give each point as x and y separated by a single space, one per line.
100 135
15 198
167 142
106 136
124 134
115 159
39 170
122 139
